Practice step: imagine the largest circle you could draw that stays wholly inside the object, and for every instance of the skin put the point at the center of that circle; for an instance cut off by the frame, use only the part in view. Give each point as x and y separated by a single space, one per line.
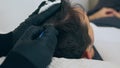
104 12
89 51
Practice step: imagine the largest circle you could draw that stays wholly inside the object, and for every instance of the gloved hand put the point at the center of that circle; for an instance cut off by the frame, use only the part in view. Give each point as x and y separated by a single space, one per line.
38 9
8 40
34 19
37 45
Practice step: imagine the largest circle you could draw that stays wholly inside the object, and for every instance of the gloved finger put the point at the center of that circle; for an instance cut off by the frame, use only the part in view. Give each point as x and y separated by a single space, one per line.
39 19
38 9
49 30
42 17
31 33
49 37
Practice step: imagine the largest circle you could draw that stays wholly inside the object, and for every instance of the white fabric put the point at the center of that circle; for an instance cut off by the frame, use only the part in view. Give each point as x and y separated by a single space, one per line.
107 42
48 5
81 63
84 3
1 60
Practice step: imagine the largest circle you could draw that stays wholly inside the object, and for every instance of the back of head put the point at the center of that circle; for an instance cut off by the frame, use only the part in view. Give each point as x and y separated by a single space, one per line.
73 36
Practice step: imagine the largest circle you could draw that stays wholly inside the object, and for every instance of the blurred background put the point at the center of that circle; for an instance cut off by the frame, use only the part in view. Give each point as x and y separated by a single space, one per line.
13 12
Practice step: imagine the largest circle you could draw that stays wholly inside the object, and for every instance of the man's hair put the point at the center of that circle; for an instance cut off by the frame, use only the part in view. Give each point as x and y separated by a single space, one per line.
73 36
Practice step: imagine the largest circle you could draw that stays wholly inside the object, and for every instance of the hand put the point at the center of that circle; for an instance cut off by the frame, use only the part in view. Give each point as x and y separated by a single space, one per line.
34 19
104 12
117 14
38 50
40 18
32 49
31 38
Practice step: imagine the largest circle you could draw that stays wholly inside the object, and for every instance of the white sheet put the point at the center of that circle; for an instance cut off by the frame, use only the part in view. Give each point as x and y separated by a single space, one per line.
81 63
107 42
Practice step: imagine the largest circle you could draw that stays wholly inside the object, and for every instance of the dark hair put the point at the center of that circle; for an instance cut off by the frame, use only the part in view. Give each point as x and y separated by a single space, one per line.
73 36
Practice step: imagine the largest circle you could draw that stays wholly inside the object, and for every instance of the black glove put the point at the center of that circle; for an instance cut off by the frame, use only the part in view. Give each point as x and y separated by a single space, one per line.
38 9
35 19
8 40
36 45
6 43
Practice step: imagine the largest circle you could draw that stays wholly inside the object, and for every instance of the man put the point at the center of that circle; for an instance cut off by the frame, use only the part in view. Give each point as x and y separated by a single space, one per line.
75 39
32 51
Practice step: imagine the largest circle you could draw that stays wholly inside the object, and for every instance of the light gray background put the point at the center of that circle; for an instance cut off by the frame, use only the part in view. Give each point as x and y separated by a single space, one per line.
13 12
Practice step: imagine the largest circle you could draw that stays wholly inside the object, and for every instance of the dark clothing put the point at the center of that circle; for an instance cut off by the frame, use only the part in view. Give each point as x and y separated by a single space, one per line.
31 51
107 22
115 4
6 43
19 58
36 19
15 60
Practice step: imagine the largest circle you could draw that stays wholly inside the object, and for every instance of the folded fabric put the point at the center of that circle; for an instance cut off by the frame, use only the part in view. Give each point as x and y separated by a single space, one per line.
107 42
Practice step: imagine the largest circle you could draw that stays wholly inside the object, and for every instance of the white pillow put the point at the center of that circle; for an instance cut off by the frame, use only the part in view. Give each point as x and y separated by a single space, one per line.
107 42
81 63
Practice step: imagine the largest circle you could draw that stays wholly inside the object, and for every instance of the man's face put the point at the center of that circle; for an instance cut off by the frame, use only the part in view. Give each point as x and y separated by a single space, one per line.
85 20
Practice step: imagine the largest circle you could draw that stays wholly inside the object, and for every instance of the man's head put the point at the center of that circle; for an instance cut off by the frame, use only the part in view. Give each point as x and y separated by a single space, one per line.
75 37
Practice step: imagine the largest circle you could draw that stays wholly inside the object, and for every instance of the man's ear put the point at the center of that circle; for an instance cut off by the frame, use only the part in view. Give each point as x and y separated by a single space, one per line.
87 54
